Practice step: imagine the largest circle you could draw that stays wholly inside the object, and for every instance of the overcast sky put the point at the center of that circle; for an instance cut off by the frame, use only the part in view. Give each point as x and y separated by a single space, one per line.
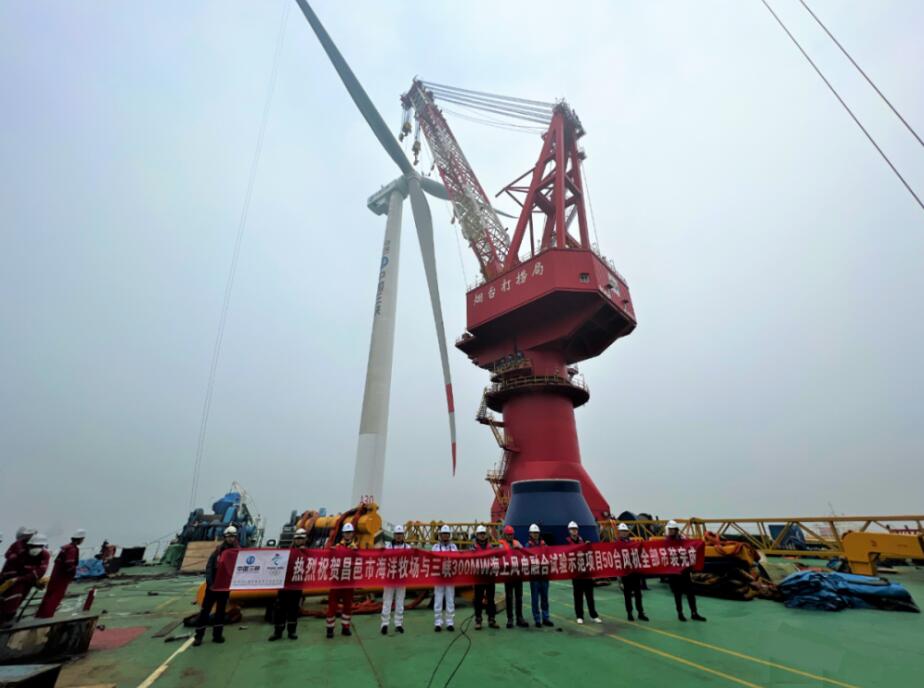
774 260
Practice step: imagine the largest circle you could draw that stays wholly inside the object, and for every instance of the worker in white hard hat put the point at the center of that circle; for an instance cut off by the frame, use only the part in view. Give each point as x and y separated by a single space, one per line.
394 594
538 587
342 597
21 574
581 587
484 592
631 582
216 598
64 572
19 545
681 583
444 595
289 601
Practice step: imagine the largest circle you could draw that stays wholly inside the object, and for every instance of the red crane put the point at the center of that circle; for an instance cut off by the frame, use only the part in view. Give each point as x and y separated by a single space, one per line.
541 308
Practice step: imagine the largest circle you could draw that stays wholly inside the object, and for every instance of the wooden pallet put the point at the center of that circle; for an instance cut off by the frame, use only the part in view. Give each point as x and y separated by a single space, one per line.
197 556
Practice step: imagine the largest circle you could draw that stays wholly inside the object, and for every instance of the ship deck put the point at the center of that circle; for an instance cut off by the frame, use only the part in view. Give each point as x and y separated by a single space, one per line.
756 643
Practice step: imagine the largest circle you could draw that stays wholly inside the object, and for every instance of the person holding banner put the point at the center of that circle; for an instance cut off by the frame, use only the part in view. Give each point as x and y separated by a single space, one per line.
484 593
681 583
394 594
513 589
342 596
289 602
632 582
539 587
214 597
581 587
444 594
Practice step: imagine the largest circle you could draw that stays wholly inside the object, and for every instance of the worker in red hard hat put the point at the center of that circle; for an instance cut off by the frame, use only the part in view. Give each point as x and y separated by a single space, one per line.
64 572
484 593
444 596
215 598
513 589
631 582
539 587
581 587
22 573
681 583
394 594
289 602
342 596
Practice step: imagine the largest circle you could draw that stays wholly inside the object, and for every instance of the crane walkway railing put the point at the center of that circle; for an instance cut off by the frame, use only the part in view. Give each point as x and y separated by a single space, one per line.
812 536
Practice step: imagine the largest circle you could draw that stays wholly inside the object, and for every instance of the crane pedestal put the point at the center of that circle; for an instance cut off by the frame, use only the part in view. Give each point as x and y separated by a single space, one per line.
529 326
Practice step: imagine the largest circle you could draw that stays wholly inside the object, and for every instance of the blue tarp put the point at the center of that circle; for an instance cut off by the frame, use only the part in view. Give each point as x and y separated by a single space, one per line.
828 591
90 568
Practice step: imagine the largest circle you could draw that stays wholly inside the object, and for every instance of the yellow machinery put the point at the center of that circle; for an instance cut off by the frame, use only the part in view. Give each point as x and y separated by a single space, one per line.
863 549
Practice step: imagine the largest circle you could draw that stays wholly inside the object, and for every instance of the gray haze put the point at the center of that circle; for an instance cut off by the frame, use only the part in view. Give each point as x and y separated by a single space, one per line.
775 261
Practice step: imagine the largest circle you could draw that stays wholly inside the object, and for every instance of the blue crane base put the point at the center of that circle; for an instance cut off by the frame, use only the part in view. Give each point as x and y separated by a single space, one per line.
550 504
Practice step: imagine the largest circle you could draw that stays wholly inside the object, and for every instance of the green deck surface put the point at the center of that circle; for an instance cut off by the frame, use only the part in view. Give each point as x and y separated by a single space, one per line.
754 643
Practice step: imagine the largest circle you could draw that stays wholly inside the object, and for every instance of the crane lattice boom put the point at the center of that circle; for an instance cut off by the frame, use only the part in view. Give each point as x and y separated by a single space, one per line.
477 219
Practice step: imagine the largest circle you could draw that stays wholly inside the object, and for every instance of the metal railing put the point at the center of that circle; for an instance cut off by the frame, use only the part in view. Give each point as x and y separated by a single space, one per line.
809 536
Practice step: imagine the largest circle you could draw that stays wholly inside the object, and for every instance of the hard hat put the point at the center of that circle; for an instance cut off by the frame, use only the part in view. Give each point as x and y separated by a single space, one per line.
673 524
534 528
508 530
230 530
481 529
79 534
399 529
301 533
22 530
38 540
348 528
573 524
623 528
445 529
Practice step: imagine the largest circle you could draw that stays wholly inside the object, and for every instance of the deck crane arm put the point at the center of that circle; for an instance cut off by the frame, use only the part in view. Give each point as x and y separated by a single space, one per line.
478 220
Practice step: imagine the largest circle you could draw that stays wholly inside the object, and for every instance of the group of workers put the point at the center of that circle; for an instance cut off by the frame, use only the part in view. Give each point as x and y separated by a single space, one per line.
24 567
286 608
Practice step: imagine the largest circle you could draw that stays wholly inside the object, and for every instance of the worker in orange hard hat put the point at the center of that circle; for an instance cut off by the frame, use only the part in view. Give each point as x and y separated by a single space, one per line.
342 596
513 589
64 572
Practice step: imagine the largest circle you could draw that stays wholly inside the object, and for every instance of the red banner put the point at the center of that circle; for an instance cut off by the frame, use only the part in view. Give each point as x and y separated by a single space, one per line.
322 569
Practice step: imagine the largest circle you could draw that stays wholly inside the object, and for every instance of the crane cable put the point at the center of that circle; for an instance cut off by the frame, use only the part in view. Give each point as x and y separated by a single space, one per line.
845 106
860 69
245 210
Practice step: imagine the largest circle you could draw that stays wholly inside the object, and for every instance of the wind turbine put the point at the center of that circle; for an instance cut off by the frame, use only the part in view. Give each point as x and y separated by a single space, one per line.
373 427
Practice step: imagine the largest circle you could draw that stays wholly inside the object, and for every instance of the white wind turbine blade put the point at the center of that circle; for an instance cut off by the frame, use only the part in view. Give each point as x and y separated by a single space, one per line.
424 222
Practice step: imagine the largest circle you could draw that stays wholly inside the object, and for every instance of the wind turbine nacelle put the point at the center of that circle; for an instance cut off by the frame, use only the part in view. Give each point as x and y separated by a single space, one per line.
378 202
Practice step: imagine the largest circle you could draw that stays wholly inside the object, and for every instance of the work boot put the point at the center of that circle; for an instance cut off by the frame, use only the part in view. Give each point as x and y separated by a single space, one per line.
291 628
330 632
521 623
218 635
696 617
681 617
437 629
492 623
277 634
642 616
538 624
547 623
629 617
477 624
509 623
200 634
399 629
385 630
346 631
450 628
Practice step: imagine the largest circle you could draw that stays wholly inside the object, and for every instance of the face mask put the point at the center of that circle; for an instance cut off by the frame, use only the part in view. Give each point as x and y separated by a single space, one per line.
35 551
